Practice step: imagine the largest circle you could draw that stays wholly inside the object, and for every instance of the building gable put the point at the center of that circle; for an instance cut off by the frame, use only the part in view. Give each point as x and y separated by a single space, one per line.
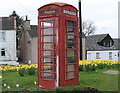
107 41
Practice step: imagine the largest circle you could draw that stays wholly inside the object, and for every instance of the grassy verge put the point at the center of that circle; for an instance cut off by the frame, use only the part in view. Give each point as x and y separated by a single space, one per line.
25 83
0 81
98 80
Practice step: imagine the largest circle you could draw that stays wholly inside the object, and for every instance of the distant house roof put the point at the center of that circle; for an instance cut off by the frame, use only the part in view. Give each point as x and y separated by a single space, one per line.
92 43
117 43
6 23
33 32
83 35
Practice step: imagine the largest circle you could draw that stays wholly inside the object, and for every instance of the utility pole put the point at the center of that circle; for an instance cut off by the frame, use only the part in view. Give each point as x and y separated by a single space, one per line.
80 31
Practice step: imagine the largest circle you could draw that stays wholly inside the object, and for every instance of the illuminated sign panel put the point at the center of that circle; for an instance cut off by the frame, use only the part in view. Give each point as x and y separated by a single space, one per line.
49 11
69 12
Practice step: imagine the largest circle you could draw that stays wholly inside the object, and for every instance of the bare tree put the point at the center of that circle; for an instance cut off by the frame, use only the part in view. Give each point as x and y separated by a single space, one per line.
88 28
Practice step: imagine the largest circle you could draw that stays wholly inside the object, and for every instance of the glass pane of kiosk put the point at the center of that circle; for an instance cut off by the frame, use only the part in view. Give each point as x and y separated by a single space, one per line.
70 49
48 53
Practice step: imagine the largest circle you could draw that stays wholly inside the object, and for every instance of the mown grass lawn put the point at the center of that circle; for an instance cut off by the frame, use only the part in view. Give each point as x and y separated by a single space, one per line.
0 81
98 80
25 83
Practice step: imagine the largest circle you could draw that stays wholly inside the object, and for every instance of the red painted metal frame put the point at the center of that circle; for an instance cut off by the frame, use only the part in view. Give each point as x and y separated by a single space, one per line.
60 17
41 80
73 81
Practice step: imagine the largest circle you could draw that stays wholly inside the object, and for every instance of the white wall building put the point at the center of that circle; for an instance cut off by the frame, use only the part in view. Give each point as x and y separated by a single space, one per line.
103 55
119 19
8 40
103 47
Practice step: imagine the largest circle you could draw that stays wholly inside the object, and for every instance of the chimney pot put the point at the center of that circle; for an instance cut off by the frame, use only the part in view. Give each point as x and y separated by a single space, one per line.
26 17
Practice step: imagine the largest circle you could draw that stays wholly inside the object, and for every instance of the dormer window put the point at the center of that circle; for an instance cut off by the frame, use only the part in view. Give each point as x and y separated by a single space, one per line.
110 43
3 36
106 43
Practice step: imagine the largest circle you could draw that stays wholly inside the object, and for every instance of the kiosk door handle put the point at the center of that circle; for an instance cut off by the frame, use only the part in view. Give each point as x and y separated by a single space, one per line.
39 46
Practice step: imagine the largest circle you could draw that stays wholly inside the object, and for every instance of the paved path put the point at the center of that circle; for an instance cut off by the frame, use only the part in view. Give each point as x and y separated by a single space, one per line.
112 72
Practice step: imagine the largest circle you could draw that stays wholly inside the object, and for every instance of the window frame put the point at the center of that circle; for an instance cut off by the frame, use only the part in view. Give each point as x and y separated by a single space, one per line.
97 55
110 55
4 50
3 36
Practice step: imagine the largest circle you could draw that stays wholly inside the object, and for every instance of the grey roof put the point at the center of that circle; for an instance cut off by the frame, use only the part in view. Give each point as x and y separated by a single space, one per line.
33 32
6 23
117 43
83 35
92 44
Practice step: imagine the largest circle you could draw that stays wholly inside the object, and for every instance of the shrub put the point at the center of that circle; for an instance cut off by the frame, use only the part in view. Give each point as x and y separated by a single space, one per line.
21 71
101 66
31 71
93 68
88 67
3 72
81 68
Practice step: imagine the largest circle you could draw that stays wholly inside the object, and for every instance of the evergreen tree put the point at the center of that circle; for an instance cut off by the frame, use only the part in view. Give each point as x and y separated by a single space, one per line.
19 26
19 20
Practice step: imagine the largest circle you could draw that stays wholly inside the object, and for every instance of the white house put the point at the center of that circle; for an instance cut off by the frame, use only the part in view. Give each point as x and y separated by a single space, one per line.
103 47
8 40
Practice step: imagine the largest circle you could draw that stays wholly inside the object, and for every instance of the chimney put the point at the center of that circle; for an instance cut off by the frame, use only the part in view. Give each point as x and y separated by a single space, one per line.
26 24
26 17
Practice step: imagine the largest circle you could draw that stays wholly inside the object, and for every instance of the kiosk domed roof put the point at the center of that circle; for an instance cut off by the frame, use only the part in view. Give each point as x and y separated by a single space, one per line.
59 3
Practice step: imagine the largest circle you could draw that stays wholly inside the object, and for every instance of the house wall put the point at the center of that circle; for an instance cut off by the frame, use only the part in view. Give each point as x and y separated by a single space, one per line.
84 41
119 19
84 47
10 45
25 55
28 46
104 55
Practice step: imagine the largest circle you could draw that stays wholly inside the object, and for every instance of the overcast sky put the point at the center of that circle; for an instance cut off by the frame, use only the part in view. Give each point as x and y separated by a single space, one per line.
104 13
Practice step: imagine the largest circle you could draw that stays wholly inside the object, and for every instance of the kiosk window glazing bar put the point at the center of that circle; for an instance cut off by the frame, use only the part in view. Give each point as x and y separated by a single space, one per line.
48 49
70 49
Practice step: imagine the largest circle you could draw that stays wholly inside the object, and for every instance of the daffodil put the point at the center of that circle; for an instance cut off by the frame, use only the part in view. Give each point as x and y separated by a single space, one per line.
17 85
8 87
5 85
35 82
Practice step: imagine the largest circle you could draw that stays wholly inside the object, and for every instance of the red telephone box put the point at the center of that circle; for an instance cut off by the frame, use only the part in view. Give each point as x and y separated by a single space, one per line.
57 45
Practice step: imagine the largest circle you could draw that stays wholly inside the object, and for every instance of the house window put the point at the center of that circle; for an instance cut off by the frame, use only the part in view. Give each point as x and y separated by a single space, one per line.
104 44
110 43
3 36
110 55
107 43
97 55
2 52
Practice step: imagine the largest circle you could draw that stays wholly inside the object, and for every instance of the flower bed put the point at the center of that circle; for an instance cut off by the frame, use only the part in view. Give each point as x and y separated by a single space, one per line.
93 65
85 65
